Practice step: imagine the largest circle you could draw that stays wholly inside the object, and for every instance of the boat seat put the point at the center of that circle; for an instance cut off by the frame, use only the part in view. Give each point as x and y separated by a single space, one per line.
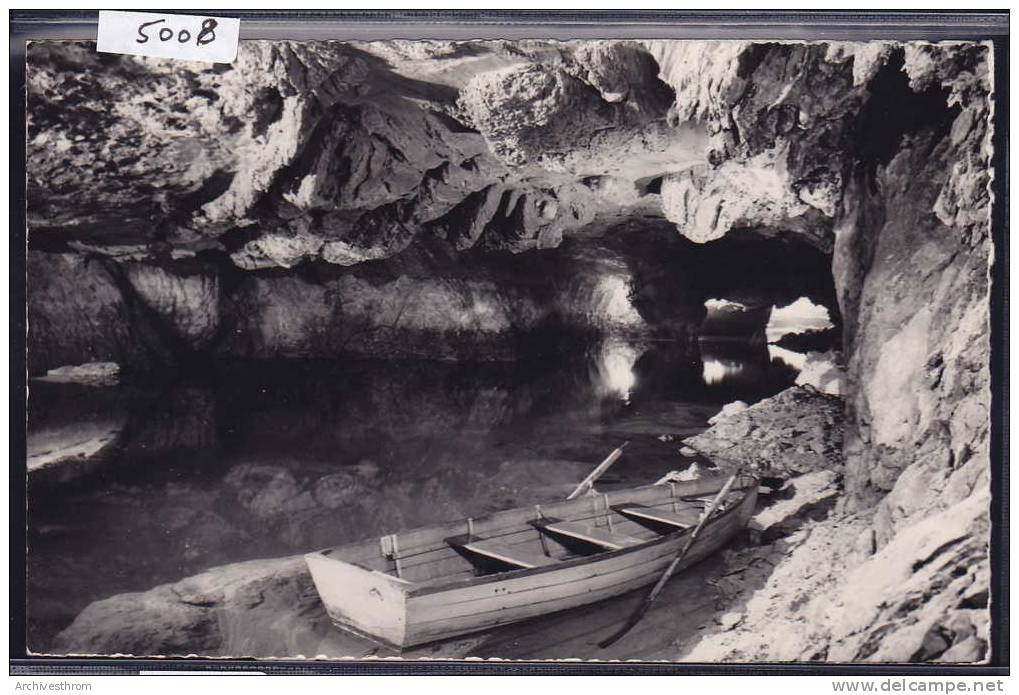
659 520
705 501
489 554
592 535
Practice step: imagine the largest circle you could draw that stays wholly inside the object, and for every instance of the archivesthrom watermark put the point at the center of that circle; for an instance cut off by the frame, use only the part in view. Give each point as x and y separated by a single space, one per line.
48 685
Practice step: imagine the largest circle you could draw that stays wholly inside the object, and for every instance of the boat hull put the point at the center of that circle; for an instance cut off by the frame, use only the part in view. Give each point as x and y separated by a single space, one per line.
489 602
400 614
365 602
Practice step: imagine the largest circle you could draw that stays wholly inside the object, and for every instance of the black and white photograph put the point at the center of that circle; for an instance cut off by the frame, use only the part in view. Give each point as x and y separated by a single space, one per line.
662 350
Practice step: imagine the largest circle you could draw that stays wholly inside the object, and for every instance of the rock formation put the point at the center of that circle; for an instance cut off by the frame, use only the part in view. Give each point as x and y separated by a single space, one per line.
798 431
193 615
247 210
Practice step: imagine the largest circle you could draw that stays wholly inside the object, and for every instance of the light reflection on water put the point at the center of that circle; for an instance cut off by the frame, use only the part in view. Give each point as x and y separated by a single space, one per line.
734 366
612 372
717 370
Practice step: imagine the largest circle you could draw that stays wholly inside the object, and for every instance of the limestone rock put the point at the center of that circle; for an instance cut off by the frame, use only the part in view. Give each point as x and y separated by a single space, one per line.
799 499
574 115
773 586
917 362
730 620
706 203
728 410
324 150
797 431
823 371
923 593
185 295
775 150
921 598
227 611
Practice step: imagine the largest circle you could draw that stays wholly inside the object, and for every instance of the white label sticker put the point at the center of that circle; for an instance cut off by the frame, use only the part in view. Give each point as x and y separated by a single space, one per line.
181 36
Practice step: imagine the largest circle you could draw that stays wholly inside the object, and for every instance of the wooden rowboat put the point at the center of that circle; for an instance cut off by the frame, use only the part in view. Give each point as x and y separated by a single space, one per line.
434 583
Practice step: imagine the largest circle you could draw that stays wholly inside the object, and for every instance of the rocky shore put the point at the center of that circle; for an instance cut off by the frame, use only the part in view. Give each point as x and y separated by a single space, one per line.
819 576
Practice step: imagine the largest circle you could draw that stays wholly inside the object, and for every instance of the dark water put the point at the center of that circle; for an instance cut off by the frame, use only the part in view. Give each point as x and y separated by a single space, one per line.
263 460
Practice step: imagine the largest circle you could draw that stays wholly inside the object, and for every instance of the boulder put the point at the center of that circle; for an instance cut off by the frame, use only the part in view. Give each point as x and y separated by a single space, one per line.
795 432
727 411
245 609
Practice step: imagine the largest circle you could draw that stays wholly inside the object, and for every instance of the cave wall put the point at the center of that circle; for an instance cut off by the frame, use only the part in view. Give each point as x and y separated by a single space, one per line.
80 312
425 302
920 344
148 315
344 155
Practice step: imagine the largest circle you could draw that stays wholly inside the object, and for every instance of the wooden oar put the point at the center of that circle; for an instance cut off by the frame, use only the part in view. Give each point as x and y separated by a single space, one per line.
593 476
653 594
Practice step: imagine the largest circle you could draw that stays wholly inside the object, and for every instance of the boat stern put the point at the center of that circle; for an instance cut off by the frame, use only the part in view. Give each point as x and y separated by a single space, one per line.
366 602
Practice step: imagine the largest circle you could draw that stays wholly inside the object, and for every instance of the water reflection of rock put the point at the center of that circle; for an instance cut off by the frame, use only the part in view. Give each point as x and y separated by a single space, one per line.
795 360
181 418
73 426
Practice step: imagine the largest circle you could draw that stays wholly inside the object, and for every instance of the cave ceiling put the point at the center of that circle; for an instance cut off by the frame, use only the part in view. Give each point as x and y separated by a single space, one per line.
345 153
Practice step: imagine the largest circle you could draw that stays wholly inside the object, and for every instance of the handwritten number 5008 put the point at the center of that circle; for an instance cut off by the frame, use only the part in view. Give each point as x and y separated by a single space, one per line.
205 36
